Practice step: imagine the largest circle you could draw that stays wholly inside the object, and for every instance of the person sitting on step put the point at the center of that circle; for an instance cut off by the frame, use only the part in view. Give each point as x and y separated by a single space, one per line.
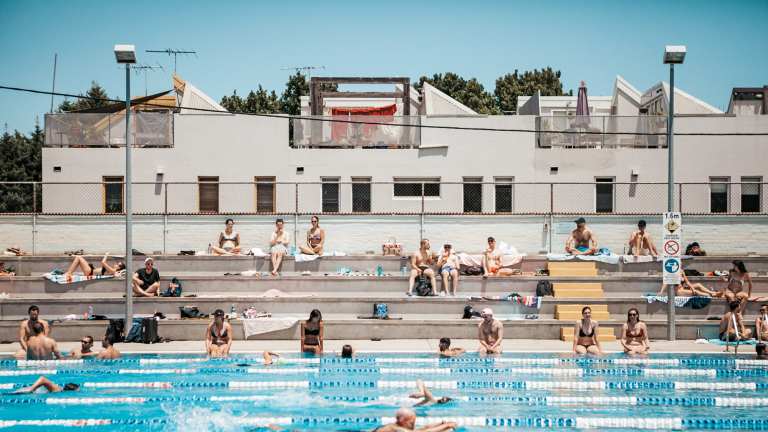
146 281
315 238
732 327
582 240
634 334
229 240
761 324
640 242
585 334
218 336
421 265
278 246
448 263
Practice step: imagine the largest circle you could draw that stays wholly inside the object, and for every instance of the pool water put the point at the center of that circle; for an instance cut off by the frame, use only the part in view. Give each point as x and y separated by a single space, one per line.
558 392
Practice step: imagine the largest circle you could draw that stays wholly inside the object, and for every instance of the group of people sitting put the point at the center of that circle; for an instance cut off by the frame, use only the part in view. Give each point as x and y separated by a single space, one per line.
229 243
36 344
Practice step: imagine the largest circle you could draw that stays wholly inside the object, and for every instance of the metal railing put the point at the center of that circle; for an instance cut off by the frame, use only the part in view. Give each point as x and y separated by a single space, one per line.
601 131
356 131
412 197
148 129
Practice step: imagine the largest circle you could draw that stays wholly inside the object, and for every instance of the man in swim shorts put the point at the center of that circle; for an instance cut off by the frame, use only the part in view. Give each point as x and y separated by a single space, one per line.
25 329
582 240
490 333
448 263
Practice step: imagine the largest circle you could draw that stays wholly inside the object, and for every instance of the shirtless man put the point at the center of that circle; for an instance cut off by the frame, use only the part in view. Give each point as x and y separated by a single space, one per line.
640 242
405 421
48 385
86 343
449 268
732 327
490 333
761 324
109 352
25 329
447 351
40 346
582 240
421 263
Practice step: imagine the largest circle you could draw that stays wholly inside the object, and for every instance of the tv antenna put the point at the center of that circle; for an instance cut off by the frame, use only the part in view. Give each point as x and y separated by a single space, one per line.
174 53
307 69
146 68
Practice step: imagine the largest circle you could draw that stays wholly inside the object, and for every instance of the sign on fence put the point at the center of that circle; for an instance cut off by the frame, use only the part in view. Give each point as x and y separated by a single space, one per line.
672 239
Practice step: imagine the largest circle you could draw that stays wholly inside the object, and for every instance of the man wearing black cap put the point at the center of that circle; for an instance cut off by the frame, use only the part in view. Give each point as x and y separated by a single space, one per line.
640 242
582 241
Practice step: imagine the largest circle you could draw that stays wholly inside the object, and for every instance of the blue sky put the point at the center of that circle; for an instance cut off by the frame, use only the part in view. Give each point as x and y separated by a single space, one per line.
242 44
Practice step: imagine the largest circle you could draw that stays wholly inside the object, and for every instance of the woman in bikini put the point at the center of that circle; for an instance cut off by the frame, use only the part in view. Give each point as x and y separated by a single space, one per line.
312 333
585 334
89 270
634 334
315 238
218 336
688 289
229 241
738 276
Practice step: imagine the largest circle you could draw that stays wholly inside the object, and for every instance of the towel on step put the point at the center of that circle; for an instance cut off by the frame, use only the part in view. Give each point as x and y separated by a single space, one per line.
257 326
76 277
468 260
724 343
608 259
631 259
680 301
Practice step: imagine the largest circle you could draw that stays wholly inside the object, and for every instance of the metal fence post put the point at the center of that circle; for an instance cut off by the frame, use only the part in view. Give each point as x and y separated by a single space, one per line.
165 216
421 216
680 197
551 214
34 218
296 215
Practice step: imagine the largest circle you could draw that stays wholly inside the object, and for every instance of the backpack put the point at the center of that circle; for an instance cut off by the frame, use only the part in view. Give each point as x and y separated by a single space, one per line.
149 331
469 312
423 286
473 271
134 335
544 288
693 272
381 310
115 330
175 292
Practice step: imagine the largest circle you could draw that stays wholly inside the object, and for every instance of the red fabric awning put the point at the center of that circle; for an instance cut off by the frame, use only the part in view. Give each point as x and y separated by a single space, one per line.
341 130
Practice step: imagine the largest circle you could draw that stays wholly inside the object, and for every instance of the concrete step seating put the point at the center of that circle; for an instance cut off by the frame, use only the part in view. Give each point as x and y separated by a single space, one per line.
578 289
571 290
572 312
572 268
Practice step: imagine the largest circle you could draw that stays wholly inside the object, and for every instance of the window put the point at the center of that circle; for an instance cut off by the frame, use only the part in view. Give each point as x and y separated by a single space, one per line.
361 194
473 194
265 194
718 194
331 195
208 194
412 187
505 194
604 195
113 194
751 191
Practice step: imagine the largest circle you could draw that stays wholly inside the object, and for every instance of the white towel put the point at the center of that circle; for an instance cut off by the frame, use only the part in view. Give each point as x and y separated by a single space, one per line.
300 257
257 326
257 252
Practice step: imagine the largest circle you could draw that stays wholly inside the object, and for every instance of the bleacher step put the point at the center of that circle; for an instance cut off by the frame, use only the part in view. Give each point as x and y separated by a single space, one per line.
578 289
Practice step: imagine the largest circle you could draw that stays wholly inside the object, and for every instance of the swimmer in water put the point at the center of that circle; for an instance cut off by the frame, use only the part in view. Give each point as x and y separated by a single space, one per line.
45 385
426 396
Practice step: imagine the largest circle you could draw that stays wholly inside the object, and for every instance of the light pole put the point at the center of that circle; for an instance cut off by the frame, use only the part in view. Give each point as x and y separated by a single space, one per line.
673 54
126 54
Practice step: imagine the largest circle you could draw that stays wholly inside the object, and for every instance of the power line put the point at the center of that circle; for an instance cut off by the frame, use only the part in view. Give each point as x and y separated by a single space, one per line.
421 126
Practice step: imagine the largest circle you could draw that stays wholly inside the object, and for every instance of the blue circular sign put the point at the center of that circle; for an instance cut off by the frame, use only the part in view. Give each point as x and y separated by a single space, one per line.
672 265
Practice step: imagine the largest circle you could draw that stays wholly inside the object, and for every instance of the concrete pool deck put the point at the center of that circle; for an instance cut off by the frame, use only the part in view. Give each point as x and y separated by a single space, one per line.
397 345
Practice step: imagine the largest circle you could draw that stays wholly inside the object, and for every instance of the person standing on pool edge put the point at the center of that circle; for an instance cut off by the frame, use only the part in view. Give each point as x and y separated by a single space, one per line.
25 329
490 333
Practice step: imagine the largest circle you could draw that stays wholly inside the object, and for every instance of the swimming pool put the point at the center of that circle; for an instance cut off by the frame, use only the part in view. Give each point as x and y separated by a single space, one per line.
190 393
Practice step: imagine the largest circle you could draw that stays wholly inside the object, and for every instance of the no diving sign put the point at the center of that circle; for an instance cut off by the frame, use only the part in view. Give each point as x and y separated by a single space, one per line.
672 248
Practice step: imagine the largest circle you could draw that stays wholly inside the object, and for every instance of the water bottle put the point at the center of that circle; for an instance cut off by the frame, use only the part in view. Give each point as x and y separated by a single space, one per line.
379 270
90 311
210 249
232 311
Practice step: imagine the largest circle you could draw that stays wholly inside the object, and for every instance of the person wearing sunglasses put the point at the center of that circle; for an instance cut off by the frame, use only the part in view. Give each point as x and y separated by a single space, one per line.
315 238
634 334
85 350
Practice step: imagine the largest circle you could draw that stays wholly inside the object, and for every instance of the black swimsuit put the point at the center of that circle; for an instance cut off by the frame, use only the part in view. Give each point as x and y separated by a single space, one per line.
221 339
314 332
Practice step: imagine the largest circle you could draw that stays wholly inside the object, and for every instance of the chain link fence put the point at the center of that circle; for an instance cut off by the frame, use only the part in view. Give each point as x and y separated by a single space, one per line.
265 196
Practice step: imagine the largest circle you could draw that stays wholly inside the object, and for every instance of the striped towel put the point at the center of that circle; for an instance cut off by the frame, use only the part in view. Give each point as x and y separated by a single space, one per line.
76 277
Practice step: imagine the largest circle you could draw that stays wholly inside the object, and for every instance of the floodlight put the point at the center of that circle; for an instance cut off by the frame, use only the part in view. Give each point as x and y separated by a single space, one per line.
125 53
674 54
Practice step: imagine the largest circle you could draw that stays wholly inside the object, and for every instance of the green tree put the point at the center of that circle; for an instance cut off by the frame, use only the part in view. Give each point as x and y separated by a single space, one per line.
469 92
261 101
232 103
296 87
510 86
97 97
20 161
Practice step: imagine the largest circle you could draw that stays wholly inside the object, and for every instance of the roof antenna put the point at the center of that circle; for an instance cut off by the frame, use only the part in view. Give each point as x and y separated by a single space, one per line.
174 53
146 68
307 69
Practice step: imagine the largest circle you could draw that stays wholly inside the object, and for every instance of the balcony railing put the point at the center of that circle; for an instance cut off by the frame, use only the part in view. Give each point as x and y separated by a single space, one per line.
356 132
601 131
148 129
